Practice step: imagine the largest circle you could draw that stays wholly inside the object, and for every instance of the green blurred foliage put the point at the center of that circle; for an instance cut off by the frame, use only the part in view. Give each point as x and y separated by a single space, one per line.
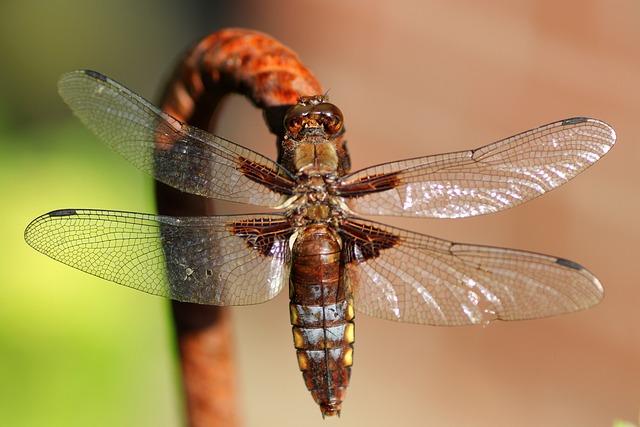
75 350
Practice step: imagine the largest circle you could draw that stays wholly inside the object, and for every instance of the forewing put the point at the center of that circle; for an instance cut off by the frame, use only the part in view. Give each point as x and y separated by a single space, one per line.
218 260
175 153
408 277
491 178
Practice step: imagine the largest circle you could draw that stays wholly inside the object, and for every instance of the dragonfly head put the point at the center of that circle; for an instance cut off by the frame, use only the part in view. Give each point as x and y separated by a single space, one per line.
313 143
313 118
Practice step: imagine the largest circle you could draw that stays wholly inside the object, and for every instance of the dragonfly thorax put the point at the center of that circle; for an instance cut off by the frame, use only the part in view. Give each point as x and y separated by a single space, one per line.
315 208
314 201
313 159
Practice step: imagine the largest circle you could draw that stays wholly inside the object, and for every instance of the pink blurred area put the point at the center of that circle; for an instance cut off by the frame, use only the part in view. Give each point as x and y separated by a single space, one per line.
416 78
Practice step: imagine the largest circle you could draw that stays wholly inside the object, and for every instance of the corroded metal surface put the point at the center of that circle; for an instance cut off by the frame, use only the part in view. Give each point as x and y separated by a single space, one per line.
240 61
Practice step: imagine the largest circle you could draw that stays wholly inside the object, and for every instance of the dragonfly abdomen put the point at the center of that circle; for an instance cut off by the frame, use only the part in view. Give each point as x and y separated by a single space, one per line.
322 317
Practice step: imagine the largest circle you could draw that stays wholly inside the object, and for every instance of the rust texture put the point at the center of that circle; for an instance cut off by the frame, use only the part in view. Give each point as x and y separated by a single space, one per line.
239 61
271 76
322 317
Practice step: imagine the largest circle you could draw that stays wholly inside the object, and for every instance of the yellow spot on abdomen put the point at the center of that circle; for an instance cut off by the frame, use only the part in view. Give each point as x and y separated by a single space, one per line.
298 339
293 314
303 361
350 312
349 335
347 358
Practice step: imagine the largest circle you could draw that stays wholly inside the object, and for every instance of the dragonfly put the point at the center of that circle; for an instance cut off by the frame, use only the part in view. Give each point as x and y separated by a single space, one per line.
334 262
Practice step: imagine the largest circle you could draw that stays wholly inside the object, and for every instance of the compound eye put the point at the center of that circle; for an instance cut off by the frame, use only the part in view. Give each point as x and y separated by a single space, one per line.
294 118
293 124
332 124
332 119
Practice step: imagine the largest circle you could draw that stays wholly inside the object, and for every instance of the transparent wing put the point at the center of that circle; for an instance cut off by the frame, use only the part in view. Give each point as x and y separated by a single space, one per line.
218 260
491 178
177 154
399 275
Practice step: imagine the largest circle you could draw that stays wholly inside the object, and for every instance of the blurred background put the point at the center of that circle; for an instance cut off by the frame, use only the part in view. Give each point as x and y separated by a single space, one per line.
412 78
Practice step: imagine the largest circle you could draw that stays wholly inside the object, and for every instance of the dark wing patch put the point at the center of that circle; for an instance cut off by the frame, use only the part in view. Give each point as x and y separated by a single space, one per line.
261 234
265 175
363 241
369 184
